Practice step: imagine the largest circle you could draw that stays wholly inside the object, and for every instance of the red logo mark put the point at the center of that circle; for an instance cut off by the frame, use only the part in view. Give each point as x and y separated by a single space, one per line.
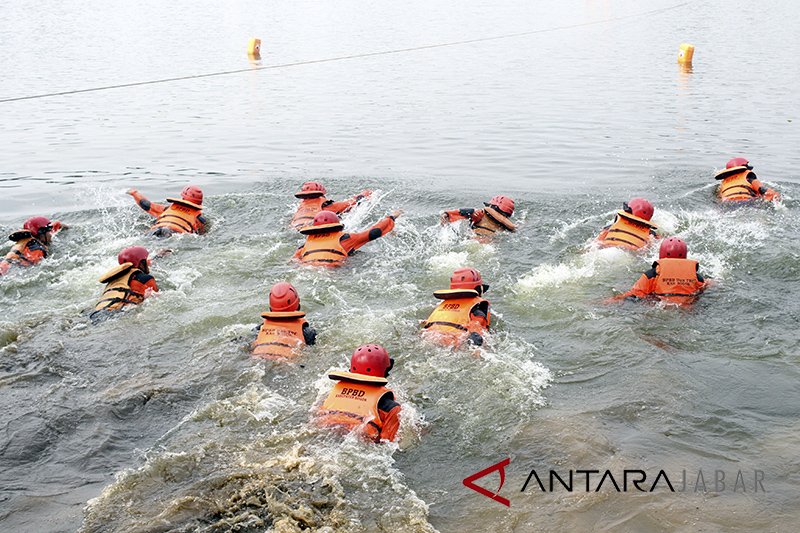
468 482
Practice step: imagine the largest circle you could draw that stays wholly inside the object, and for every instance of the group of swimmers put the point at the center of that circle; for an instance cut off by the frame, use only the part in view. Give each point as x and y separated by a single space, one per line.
360 399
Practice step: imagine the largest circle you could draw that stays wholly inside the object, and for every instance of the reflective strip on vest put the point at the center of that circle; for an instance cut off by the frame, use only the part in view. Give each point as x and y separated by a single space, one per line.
737 187
627 234
324 248
280 338
180 218
676 280
306 211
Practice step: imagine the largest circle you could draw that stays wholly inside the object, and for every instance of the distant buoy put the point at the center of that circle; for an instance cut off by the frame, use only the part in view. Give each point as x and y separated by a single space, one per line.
254 48
685 53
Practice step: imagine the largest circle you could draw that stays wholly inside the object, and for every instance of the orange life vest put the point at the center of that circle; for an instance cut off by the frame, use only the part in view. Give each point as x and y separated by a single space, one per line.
451 319
306 211
628 231
181 217
19 253
280 335
353 402
492 222
118 292
676 280
323 249
734 186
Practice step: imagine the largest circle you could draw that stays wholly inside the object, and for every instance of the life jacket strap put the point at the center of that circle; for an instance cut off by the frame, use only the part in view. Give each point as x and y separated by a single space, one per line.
615 230
274 343
747 190
442 323
179 221
324 250
22 259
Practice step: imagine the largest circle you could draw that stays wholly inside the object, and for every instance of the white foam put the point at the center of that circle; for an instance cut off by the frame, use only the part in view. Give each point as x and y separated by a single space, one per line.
584 266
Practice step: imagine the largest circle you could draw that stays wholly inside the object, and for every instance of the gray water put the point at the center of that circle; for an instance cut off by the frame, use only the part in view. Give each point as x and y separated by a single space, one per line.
159 421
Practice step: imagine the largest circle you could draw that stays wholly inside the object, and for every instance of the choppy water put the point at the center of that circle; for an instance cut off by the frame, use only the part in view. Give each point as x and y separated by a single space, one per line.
159 421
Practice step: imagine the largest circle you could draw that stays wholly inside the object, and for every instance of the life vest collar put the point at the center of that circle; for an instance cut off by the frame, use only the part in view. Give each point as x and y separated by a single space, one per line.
324 228
728 172
632 218
341 375
499 217
309 194
187 203
285 315
21 235
115 272
450 294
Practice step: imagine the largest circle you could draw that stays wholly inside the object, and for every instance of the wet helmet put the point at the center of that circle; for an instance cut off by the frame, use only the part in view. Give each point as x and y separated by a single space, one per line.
37 225
467 278
639 207
371 360
738 162
192 193
324 218
672 248
504 204
311 189
283 298
324 222
134 255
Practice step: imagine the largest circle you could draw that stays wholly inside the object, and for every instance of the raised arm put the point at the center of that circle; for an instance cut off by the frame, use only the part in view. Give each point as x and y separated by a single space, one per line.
345 205
766 192
474 215
354 241
151 208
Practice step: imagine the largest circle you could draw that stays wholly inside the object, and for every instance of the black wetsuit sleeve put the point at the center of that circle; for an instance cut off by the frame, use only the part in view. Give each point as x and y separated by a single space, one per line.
202 219
475 339
652 272
478 311
699 276
387 403
326 203
145 204
466 212
141 277
751 177
309 334
34 244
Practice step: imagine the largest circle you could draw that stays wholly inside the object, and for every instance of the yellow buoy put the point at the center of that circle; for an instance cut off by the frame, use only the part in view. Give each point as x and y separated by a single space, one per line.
254 48
685 53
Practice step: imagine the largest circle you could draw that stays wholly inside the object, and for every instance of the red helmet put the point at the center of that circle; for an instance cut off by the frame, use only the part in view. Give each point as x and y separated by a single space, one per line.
283 298
639 207
326 217
37 225
324 222
673 248
504 204
738 162
192 193
371 360
467 278
311 189
134 255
